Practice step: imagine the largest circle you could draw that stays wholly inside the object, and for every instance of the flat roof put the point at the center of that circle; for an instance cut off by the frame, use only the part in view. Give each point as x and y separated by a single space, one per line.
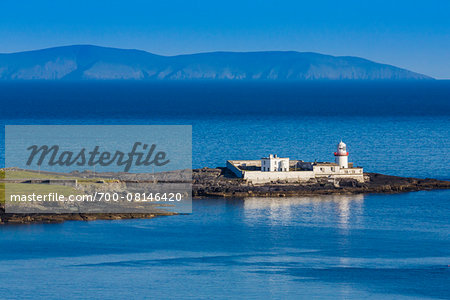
325 164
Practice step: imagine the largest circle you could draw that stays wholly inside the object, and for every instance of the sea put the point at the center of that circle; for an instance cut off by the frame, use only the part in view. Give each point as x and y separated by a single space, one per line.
378 246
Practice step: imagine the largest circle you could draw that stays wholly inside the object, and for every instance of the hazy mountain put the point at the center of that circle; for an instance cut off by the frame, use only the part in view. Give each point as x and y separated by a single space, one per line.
84 62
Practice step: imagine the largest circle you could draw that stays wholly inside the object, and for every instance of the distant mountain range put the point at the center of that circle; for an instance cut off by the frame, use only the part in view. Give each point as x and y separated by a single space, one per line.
85 62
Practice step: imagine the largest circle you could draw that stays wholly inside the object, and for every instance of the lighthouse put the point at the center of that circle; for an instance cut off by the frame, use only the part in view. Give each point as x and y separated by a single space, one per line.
341 156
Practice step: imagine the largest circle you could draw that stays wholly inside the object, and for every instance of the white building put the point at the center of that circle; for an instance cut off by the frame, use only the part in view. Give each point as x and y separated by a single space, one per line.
273 163
273 168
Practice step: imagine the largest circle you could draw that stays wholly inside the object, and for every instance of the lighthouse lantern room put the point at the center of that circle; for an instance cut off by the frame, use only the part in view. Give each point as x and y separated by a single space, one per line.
341 156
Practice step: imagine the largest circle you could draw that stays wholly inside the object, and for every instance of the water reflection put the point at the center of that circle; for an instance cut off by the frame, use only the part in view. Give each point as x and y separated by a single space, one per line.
339 210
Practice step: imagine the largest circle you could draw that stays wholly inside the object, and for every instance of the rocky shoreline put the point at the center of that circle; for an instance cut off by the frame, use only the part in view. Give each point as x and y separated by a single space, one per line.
218 182
59 218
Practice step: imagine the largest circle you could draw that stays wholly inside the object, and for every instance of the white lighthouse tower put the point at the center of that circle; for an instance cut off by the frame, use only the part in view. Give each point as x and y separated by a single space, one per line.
341 156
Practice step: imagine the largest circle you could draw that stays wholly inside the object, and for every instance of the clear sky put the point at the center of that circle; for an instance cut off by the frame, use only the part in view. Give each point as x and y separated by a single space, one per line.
410 34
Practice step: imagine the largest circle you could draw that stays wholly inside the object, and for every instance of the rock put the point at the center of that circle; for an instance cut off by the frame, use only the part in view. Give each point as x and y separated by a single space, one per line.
213 182
207 182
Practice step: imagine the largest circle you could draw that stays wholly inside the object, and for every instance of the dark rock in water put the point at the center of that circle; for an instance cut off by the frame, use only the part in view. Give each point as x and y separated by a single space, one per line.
348 183
6 218
216 182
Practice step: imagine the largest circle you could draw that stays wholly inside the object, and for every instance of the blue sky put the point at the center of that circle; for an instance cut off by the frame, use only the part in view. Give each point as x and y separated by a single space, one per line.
410 34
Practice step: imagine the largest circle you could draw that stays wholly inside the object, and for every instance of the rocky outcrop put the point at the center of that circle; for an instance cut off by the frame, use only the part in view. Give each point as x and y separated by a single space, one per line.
6 218
219 183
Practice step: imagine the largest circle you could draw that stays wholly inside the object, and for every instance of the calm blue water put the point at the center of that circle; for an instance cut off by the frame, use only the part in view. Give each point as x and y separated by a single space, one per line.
405 146
385 247
379 246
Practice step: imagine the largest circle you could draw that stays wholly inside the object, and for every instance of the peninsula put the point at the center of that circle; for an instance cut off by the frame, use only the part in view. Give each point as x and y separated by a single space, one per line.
271 176
220 182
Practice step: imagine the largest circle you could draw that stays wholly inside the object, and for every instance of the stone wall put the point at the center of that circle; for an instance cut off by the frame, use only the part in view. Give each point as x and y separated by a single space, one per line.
232 166
265 177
